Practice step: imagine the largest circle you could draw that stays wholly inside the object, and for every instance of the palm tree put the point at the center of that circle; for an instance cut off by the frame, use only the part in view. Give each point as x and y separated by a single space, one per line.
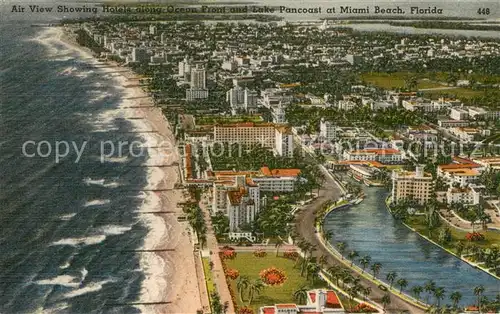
278 244
323 260
417 290
334 272
328 235
439 295
455 297
478 291
305 263
353 292
402 283
365 291
376 269
301 295
254 288
313 269
429 287
352 255
341 247
391 277
364 261
242 285
386 300
459 247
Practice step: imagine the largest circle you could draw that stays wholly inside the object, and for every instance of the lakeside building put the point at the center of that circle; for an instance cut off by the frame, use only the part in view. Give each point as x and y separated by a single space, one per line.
462 172
416 185
277 137
467 196
319 301
384 155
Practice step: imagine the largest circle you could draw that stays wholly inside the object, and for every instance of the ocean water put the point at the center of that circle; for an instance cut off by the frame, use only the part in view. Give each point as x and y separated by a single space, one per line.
67 230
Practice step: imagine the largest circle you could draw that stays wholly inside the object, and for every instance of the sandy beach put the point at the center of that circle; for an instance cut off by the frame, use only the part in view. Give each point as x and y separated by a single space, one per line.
170 275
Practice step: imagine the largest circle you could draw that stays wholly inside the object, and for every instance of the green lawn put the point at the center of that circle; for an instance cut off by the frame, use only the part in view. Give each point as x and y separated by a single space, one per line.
491 237
459 92
395 80
249 265
208 276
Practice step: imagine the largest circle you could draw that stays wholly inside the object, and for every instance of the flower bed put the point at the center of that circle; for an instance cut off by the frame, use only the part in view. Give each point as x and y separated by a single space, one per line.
245 310
232 273
259 253
363 308
291 255
474 236
227 254
224 267
272 276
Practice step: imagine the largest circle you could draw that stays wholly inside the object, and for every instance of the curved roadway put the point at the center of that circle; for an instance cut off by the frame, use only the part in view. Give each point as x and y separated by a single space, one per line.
305 224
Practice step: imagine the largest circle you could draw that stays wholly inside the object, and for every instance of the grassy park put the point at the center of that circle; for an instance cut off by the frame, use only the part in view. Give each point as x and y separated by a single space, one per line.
249 265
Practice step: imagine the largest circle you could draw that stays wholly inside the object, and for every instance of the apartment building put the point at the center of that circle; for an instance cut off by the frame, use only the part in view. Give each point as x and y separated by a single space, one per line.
416 185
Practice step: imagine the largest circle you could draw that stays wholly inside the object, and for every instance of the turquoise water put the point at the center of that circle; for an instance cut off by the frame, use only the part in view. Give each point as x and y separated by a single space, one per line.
369 229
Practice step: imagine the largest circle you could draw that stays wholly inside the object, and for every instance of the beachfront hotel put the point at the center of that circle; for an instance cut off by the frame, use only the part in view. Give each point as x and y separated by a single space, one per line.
273 136
237 193
319 301
415 185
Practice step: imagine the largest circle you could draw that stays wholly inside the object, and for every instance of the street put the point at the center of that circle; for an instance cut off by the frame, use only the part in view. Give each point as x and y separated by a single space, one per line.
305 224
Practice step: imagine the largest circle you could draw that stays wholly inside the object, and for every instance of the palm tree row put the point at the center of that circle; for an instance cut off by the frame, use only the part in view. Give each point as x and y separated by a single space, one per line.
196 220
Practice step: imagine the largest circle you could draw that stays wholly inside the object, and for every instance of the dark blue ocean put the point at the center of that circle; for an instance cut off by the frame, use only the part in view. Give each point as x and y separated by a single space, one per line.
66 229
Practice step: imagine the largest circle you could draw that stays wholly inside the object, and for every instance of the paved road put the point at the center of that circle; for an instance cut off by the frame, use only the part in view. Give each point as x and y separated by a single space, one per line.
305 227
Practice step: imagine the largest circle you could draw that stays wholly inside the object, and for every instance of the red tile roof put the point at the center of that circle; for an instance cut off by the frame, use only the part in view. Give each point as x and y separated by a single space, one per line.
279 172
268 310
312 295
332 300
286 306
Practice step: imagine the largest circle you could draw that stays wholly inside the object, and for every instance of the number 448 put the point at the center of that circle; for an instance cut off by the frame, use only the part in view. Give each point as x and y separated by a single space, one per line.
483 11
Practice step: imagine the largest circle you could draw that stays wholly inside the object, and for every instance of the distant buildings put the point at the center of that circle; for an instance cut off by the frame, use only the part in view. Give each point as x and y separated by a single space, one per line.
328 130
417 186
198 86
242 98
140 55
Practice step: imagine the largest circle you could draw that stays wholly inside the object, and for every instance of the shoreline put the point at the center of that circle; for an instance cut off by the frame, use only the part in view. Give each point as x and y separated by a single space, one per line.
440 246
344 260
167 274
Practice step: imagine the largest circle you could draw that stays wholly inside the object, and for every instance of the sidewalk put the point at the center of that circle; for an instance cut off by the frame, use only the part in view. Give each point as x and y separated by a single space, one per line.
217 271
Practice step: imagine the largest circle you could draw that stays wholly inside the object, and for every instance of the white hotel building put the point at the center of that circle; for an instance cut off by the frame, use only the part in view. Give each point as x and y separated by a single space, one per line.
273 136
